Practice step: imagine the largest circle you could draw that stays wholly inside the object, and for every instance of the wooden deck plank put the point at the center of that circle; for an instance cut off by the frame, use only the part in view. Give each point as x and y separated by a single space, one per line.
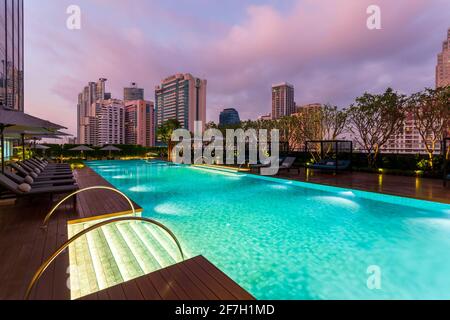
172 284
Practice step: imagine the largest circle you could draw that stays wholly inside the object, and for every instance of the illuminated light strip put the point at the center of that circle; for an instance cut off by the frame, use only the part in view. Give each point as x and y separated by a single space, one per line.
163 246
145 241
135 251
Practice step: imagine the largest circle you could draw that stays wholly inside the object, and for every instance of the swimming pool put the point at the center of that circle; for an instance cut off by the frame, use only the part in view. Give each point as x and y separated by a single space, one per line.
291 240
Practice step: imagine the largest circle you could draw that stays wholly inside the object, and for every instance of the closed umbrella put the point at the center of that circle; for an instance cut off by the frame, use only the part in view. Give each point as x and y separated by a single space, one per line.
111 149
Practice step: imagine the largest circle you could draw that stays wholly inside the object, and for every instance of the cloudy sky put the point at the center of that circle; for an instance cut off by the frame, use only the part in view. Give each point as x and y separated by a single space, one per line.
241 47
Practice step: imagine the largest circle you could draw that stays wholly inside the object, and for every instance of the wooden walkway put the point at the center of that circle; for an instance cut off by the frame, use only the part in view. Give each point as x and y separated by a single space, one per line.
194 279
24 246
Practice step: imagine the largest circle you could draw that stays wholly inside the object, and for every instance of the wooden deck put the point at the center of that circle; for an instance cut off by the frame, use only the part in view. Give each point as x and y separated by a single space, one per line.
24 246
194 279
411 187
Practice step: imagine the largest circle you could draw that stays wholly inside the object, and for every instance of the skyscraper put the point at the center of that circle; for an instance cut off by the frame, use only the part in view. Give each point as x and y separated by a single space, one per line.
133 93
139 123
443 64
11 54
229 117
94 92
181 97
110 122
283 103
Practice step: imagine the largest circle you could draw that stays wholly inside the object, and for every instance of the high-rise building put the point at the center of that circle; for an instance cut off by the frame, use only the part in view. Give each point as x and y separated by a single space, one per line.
110 122
139 123
133 93
283 103
94 92
228 117
443 64
181 97
12 54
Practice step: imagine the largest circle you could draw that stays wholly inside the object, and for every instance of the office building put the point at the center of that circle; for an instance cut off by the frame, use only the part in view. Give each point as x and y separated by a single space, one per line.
443 64
181 97
94 92
229 117
12 55
139 123
283 103
110 122
133 93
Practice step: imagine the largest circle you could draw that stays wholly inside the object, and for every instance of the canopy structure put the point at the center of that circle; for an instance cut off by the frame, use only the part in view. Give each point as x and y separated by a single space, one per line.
17 124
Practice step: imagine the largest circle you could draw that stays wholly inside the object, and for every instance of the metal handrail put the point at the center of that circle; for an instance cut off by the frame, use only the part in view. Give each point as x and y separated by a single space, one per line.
47 217
45 265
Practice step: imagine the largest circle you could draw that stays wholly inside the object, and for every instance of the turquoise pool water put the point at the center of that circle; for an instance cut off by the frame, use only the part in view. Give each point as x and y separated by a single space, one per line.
285 240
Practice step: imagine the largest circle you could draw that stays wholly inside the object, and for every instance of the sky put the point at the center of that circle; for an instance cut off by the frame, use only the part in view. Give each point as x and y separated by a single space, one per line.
242 47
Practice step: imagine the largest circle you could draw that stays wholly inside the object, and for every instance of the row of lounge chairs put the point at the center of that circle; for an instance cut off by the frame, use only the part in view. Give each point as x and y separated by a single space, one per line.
36 177
288 164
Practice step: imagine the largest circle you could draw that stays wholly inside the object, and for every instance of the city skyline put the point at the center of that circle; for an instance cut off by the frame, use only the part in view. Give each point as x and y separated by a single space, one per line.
241 54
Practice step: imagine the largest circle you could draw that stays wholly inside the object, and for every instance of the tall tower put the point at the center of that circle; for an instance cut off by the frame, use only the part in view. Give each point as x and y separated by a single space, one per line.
133 93
12 55
283 103
443 64
93 93
181 97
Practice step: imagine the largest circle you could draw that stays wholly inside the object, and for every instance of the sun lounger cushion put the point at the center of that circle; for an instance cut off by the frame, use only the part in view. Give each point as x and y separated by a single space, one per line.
29 180
34 175
24 187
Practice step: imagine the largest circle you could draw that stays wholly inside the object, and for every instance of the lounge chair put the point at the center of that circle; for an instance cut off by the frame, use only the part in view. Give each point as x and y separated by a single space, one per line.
288 164
25 190
47 176
330 165
31 167
49 165
264 163
19 180
42 167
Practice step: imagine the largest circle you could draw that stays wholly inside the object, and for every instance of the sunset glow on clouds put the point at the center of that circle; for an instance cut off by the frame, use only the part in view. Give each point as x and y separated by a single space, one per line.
241 47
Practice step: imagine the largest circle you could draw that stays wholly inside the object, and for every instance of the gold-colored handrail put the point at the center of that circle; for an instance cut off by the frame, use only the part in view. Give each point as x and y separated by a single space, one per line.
47 262
47 217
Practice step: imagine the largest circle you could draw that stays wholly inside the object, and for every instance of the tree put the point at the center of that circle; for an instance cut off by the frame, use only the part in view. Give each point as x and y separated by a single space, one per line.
373 119
164 133
430 110
333 122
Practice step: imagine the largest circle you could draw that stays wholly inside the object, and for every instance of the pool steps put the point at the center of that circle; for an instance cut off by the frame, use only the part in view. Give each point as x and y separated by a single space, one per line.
117 253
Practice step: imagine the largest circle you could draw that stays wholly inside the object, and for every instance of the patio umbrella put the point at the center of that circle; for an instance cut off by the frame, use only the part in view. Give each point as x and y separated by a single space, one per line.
82 149
16 122
111 149
41 147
